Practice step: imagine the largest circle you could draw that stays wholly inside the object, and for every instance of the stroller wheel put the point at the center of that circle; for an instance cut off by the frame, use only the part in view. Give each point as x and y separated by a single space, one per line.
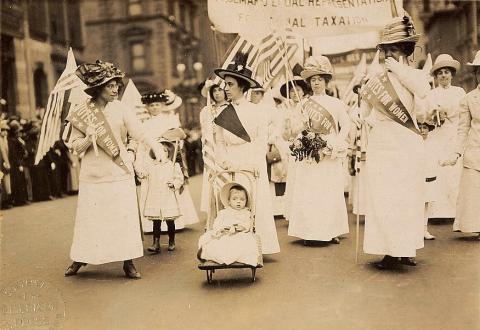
209 276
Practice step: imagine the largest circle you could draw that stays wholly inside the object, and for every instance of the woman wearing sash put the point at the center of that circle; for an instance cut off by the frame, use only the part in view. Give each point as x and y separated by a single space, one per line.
293 123
246 148
107 227
218 99
318 210
444 100
394 100
468 145
161 106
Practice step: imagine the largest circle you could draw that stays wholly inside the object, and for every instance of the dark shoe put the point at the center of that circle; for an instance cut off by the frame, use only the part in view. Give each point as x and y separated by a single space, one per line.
408 261
387 262
171 246
73 268
130 271
155 248
335 240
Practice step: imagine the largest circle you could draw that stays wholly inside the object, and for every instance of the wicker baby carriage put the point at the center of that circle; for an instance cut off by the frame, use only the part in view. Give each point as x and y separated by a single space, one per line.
251 177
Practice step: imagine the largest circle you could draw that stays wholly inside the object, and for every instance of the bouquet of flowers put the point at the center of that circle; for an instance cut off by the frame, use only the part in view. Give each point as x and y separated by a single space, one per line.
309 145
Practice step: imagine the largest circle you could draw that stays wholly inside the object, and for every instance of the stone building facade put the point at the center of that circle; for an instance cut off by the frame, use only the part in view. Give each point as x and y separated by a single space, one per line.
35 37
160 44
450 27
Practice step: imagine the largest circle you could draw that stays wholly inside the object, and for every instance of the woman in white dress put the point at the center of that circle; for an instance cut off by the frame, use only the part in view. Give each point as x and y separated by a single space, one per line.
297 90
445 100
238 153
218 99
318 210
468 145
107 227
394 101
161 106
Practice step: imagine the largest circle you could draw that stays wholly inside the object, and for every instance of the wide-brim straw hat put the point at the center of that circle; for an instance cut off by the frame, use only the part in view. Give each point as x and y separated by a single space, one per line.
238 69
296 81
225 193
317 65
398 30
476 60
445 61
97 74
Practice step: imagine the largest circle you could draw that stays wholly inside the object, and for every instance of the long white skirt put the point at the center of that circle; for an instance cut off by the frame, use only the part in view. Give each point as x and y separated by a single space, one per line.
468 207
107 226
187 209
448 177
292 168
318 208
395 176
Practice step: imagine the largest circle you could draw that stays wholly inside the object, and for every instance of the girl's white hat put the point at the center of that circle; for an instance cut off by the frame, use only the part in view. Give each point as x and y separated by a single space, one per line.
225 193
444 61
316 65
476 60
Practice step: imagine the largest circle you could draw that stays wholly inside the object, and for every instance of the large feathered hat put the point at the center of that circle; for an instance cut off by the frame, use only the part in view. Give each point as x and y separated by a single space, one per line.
98 73
238 69
400 29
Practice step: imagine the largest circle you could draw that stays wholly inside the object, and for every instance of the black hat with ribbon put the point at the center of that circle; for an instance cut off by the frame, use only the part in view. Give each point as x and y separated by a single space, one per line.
238 69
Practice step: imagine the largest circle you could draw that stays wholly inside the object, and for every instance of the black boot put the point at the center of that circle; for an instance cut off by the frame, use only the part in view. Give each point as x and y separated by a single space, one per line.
73 268
130 270
171 234
388 262
408 261
155 248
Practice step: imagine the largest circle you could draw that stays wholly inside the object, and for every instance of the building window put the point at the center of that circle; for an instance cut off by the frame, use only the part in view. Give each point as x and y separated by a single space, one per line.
137 56
37 19
74 23
40 86
57 21
134 7
171 7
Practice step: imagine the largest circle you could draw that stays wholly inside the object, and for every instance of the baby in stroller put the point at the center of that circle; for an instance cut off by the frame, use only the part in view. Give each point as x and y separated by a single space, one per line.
231 238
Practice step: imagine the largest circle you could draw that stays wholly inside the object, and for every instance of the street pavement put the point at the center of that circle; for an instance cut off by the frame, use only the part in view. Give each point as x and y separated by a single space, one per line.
303 287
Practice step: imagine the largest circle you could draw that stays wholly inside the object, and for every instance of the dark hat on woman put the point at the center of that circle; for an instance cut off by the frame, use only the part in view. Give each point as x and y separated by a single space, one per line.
296 81
238 69
170 99
170 147
400 29
98 73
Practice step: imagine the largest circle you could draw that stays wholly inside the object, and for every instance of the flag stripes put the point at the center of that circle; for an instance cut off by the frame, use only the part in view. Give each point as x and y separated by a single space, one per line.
57 107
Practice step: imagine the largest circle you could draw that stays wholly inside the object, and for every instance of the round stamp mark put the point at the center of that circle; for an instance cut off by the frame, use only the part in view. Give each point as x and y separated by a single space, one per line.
31 304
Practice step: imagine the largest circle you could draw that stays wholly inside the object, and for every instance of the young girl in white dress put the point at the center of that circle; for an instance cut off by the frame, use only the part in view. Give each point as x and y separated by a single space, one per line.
165 178
231 240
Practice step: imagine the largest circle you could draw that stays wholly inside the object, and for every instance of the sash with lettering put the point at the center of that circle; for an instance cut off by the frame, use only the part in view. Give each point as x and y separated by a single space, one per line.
87 114
320 120
380 94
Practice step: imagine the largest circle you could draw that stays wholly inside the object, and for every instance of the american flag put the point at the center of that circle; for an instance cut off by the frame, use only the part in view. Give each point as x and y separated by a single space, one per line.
239 45
57 107
275 52
349 97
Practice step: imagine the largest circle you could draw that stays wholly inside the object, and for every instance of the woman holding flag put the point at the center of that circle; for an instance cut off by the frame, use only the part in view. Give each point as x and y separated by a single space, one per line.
242 144
107 227
318 211
394 99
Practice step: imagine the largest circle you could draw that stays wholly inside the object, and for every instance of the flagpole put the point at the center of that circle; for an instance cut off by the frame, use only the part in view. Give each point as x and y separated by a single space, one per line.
217 56
358 156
